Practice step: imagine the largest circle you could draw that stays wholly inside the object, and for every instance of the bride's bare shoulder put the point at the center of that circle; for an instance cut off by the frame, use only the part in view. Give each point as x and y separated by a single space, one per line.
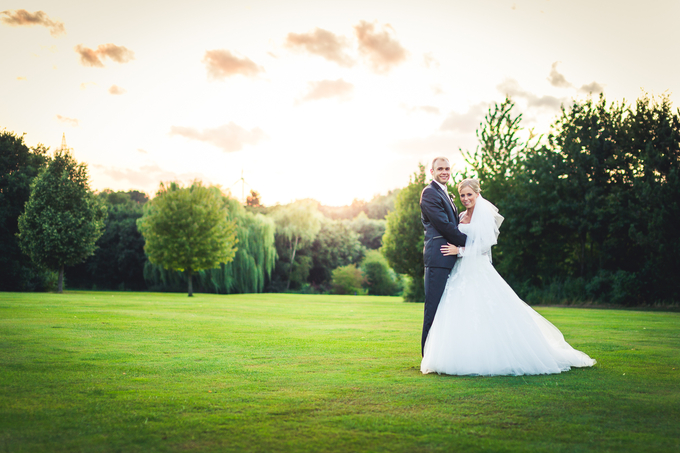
463 217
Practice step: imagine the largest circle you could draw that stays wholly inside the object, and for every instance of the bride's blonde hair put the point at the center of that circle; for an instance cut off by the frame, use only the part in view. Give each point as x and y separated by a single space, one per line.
471 183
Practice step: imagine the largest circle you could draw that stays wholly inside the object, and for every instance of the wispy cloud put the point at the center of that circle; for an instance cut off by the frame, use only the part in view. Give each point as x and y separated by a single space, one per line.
326 89
222 63
510 87
422 108
592 87
467 122
430 61
379 46
148 176
557 79
22 78
90 57
437 89
70 121
324 44
438 143
229 137
116 90
84 85
22 18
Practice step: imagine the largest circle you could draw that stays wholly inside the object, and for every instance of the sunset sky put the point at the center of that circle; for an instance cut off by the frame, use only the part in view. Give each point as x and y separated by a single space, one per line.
332 100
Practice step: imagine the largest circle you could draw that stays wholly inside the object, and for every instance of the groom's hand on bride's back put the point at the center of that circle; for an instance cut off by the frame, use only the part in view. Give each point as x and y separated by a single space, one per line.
449 249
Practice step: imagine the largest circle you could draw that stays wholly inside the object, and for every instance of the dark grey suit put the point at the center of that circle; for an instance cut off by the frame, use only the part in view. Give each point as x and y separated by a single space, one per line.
440 220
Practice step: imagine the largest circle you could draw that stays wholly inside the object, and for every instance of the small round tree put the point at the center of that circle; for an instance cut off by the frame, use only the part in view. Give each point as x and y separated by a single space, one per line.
62 219
186 229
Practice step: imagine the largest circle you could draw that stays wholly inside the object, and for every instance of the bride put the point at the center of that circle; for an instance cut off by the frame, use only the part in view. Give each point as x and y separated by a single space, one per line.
482 327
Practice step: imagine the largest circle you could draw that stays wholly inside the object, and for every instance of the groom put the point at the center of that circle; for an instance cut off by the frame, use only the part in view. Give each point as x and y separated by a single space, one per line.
440 219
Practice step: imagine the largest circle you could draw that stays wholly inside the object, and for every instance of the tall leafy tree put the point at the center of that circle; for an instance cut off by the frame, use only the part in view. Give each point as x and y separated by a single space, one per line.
381 205
497 160
118 262
370 231
591 214
186 229
402 243
19 165
63 218
298 223
653 204
336 245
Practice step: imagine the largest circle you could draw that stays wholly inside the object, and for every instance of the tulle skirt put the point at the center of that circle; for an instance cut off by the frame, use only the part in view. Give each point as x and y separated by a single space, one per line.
483 328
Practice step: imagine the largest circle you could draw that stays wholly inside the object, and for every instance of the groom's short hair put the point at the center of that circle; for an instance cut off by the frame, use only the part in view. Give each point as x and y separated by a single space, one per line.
434 161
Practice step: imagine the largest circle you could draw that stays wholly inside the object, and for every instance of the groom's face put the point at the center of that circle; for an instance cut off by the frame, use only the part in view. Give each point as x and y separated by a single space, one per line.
441 171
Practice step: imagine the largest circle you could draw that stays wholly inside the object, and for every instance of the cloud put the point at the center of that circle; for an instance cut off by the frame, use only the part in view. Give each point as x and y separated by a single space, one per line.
324 44
148 176
510 87
115 89
467 122
556 79
437 89
84 85
22 78
230 137
21 17
423 108
143 151
89 57
222 63
430 61
439 143
592 87
119 54
70 121
325 89
379 46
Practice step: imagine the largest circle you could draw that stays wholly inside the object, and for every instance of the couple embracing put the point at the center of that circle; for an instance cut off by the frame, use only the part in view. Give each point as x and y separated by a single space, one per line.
474 323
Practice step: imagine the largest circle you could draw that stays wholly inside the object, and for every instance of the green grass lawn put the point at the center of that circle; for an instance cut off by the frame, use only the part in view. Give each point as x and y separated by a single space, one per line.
101 371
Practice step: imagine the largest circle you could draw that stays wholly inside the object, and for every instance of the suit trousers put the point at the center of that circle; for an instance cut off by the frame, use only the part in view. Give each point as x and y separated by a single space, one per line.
435 283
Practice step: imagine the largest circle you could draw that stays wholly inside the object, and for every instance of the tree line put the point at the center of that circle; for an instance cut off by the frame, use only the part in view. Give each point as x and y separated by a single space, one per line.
184 238
591 209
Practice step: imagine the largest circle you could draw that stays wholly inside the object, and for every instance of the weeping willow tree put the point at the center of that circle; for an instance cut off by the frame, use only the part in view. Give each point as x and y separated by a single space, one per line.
246 273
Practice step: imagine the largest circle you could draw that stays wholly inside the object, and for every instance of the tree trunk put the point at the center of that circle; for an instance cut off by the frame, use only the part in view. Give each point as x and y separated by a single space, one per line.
60 285
292 261
191 286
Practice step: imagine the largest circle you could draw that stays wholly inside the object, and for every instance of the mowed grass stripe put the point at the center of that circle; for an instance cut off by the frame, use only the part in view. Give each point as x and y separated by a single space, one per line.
107 371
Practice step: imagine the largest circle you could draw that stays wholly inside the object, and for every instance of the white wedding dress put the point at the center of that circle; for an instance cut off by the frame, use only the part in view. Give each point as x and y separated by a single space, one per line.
482 327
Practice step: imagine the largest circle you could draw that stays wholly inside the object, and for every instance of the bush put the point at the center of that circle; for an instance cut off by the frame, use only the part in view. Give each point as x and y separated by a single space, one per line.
348 280
380 279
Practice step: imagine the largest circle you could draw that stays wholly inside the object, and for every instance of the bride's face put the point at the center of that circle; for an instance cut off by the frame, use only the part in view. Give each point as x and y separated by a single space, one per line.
468 197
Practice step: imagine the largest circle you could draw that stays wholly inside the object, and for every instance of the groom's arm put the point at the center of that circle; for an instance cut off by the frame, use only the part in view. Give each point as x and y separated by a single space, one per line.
432 206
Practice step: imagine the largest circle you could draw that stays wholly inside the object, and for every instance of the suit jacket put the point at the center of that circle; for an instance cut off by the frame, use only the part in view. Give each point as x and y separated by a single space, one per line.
440 220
